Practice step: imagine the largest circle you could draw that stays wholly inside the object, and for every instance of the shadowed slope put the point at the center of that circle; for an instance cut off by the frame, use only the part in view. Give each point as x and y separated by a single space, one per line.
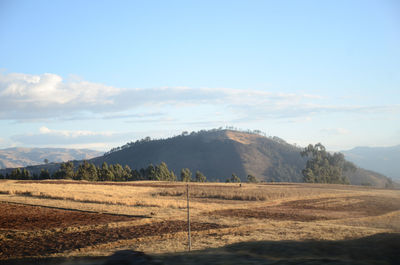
217 154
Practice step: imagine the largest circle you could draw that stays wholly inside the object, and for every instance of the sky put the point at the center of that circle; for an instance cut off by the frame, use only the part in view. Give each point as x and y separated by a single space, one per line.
98 74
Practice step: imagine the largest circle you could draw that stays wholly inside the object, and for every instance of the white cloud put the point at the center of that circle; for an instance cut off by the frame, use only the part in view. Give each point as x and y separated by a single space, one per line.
25 97
72 134
49 89
49 137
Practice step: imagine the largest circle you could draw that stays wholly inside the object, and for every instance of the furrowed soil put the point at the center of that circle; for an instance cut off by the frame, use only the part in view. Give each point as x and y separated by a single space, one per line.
26 217
32 245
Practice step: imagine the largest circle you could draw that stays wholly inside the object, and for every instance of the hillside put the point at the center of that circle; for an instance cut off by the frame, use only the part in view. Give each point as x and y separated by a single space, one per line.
381 159
218 154
22 157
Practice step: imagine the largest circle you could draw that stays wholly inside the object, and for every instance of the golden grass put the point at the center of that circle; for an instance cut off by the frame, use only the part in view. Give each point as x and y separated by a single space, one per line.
167 201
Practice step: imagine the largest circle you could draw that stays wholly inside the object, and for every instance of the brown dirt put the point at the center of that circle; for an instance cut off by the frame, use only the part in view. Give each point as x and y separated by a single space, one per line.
361 205
271 213
318 209
24 217
58 242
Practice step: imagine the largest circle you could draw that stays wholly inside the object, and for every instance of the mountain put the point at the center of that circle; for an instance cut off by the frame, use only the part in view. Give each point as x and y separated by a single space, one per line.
385 160
22 157
218 154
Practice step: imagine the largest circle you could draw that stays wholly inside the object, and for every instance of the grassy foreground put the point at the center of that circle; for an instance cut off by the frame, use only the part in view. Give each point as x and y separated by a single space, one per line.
249 224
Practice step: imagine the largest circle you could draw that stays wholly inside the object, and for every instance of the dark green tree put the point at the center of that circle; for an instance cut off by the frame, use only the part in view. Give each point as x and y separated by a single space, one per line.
44 174
26 174
323 167
150 173
234 179
66 171
87 171
136 175
172 176
186 175
16 174
200 177
252 179
105 174
162 172
118 172
127 173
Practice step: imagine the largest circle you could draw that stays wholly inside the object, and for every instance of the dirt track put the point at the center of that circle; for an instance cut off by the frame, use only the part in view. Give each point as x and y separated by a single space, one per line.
24 217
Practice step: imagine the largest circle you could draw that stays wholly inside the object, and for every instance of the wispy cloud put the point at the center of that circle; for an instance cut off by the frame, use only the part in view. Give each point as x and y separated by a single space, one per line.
25 97
46 136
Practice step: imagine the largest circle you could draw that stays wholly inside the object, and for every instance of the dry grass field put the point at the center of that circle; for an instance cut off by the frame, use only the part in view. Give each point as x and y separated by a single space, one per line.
69 222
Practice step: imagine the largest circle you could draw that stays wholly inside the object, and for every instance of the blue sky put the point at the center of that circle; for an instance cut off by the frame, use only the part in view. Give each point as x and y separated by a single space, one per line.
97 74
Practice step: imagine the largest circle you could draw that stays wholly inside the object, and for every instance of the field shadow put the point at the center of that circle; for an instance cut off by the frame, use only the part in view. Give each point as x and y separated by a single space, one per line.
376 249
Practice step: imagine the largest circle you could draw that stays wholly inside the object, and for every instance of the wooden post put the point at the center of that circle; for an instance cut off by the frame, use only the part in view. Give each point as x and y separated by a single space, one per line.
188 218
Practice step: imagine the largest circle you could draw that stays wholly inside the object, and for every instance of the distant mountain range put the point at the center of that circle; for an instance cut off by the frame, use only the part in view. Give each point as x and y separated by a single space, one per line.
385 160
217 154
22 157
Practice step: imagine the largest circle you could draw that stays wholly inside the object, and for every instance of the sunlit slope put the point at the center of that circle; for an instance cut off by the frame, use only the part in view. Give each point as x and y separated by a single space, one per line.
218 154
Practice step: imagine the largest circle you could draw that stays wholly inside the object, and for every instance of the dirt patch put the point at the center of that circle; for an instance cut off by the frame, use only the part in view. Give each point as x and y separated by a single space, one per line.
25 217
272 213
60 242
359 205
319 209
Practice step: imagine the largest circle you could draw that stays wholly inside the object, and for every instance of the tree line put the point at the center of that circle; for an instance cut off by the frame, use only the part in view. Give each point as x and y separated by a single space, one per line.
113 172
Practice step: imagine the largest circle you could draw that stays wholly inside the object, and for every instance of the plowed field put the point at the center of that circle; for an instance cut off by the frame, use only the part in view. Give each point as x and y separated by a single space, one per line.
25 217
59 242
17 218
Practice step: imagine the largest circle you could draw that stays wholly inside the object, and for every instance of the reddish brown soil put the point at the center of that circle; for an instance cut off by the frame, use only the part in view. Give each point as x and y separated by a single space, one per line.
58 242
24 217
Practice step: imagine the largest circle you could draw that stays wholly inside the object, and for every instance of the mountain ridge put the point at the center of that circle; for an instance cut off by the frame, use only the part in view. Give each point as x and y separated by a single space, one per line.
218 154
29 156
385 160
